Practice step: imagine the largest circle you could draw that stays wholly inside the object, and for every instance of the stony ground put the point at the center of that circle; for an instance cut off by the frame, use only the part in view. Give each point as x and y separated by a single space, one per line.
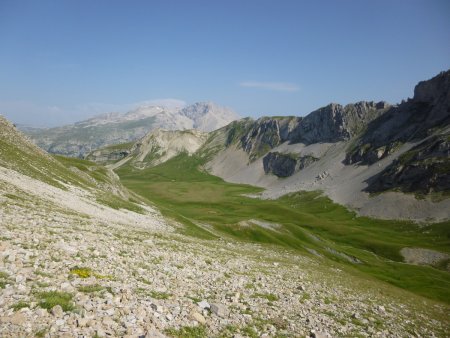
65 273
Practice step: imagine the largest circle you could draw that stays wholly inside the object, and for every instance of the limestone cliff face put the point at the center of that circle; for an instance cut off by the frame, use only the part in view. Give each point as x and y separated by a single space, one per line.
423 169
266 133
335 122
372 131
435 92
110 154
285 165
281 165
332 123
410 121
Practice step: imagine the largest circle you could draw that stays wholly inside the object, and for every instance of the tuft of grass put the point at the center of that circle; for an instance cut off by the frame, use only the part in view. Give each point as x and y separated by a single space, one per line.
305 296
188 332
279 323
14 197
145 281
117 203
19 305
250 286
357 322
249 331
41 333
160 295
42 273
41 284
4 279
228 331
195 299
81 272
269 296
91 288
247 311
49 299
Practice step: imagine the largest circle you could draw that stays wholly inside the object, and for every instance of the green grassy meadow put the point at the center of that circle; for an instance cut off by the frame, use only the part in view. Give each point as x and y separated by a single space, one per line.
209 207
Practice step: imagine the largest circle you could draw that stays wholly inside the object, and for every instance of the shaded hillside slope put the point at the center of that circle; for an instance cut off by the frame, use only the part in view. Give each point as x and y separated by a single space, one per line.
349 152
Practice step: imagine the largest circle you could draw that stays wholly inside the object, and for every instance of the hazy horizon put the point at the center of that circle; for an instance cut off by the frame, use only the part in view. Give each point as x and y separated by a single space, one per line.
64 61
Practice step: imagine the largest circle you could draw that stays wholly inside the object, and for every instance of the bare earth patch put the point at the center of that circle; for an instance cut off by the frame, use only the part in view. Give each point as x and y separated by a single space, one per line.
421 256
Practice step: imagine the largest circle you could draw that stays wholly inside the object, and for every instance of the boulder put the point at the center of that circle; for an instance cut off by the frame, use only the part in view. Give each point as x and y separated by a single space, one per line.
219 310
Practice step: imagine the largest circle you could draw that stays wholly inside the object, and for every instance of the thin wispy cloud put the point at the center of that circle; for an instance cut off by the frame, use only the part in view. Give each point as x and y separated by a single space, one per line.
168 103
278 86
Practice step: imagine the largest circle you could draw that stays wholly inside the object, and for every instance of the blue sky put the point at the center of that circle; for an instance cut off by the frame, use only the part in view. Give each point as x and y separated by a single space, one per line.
63 61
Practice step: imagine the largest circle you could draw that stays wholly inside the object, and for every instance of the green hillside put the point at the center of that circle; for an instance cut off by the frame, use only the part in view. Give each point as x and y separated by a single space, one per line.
19 154
303 221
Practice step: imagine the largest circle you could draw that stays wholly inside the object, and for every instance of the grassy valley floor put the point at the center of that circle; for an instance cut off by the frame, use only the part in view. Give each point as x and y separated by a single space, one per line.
78 262
66 274
210 208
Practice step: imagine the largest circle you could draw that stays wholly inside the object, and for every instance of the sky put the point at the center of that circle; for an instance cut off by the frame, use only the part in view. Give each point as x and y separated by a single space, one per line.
64 61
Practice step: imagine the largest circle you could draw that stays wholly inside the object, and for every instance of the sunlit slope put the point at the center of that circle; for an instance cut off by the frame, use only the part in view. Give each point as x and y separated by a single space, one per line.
21 155
305 221
154 148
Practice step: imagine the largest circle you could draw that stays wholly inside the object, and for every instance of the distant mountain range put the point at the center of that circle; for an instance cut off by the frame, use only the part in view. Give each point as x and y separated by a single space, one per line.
112 128
364 155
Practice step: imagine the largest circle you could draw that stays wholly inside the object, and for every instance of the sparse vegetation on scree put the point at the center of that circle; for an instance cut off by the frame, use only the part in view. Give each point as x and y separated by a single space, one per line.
19 154
209 207
240 266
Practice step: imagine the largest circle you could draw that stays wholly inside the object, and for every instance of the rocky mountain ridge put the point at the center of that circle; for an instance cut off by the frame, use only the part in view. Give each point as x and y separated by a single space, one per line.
154 148
78 139
411 121
350 152
78 260
399 148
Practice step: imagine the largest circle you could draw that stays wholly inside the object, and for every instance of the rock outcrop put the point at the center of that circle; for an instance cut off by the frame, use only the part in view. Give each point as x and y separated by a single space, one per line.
266 133
159 146
332 123
281 165
335 122
285 165
411 121
424 169
156 147
109 154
